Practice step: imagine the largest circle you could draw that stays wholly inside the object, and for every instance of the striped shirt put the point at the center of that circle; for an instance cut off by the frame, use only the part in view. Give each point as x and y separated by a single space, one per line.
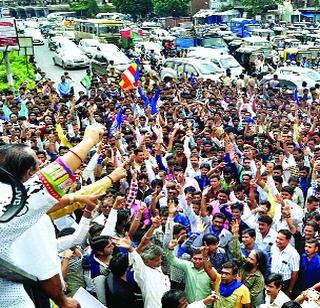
284 261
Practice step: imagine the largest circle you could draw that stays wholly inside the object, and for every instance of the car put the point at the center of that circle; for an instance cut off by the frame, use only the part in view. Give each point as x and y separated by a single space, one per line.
37 37
89 46
101 60
174 67
148 46
70 58
69 35
297 75
108 47
284 83
223 60
57 42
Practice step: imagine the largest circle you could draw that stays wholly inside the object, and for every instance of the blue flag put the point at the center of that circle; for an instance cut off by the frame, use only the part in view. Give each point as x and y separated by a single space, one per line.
116 122
137 72
154 101
296 96
192 79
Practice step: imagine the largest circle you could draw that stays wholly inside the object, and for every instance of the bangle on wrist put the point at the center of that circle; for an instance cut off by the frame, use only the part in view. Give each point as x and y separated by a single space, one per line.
112 181
75 154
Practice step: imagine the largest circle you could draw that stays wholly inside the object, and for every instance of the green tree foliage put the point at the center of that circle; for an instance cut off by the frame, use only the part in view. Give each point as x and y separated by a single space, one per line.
86 8
254 7
19 72
174 8
136 8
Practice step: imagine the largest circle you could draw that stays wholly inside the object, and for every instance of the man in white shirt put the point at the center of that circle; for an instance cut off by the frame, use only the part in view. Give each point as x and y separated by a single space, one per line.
147 272
285 260
275 298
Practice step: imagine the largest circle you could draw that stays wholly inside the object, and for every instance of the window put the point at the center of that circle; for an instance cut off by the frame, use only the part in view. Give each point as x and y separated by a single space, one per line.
190 69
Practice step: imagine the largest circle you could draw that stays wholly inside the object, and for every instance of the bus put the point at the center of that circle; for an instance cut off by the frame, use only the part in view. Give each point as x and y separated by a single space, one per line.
114 16
60 16
106 31
242 27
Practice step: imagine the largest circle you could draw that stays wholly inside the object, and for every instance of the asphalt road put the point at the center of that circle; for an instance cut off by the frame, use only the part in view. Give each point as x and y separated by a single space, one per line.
43 57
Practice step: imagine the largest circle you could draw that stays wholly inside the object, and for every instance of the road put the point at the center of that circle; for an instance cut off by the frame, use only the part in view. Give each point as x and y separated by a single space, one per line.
43 57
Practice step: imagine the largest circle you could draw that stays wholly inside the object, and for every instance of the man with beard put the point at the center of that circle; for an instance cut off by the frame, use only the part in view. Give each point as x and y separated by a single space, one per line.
253 265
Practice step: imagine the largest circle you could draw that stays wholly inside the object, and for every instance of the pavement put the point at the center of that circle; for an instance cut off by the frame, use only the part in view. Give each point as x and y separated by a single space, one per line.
43 57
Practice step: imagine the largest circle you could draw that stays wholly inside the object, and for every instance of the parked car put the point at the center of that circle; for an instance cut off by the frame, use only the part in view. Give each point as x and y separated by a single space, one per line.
296 75
57 42
101 60
70 58
222 60
89 46
174 67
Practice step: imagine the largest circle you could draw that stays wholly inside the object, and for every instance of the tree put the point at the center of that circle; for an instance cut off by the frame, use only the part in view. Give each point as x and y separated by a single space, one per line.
87 8
136 8
254 7
174 8
19 71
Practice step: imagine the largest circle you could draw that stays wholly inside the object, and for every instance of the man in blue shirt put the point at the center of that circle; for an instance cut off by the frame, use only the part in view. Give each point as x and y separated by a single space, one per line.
309 273
63 87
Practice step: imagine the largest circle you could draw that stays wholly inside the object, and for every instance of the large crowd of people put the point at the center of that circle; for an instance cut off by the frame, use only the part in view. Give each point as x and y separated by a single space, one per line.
184 193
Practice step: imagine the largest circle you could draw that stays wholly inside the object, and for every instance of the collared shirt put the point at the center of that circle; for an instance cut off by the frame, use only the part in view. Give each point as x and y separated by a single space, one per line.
218 259
277 303
265 243
309 271
152 281
197 281
284 261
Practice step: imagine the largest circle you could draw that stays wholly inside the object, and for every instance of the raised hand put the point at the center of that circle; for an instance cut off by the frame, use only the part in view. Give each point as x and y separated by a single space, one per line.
124 242
235 227
172 208
173 243
156 222
118 203
94 133
201 226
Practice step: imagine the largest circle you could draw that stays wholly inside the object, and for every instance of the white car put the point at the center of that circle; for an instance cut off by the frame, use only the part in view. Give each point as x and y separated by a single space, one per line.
297 75
101 60
109 48
175 67
156 47
37 37
60 42
222 60
89 46
69 35
70 58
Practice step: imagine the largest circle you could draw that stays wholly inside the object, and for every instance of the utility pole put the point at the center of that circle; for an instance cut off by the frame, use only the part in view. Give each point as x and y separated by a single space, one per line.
8 70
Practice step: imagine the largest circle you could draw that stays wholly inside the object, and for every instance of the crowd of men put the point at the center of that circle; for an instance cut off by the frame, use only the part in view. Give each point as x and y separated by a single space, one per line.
218 205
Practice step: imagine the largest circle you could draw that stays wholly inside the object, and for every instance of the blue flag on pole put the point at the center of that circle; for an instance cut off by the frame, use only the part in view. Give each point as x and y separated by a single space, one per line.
116 122
192 79
296 96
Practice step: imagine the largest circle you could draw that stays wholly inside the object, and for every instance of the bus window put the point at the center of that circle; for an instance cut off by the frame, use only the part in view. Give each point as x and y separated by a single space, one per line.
90 29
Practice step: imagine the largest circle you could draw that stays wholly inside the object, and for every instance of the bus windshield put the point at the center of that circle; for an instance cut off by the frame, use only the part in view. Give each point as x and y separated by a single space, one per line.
214 41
